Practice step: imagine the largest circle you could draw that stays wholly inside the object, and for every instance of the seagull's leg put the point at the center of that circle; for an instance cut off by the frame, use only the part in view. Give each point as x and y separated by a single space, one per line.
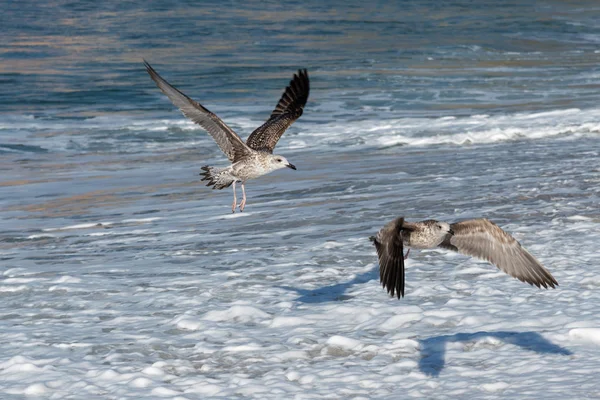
243 203
406 256
234 199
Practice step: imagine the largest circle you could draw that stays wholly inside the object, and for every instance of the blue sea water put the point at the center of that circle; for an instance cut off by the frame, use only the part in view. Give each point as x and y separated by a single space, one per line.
122 276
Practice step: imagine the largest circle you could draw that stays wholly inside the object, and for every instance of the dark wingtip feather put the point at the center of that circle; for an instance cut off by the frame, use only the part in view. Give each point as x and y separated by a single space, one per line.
388 243
149 68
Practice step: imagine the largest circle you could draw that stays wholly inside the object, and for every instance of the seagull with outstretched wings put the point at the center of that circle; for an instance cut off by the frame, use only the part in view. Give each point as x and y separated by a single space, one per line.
255 157
478 238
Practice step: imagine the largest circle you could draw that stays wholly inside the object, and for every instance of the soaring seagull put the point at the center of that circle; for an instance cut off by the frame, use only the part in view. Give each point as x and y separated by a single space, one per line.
255 157
479 238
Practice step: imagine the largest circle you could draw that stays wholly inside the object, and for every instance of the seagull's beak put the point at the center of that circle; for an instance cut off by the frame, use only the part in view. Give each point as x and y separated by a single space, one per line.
292 166
450 231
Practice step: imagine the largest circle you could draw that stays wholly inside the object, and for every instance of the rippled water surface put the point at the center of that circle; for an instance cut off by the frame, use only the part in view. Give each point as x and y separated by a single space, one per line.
122 276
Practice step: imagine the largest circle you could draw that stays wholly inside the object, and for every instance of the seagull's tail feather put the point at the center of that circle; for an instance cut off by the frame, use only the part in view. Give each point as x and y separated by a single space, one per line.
218 178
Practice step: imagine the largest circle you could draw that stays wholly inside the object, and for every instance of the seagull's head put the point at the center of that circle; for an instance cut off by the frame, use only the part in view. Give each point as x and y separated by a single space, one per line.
277 162
444 228
439 230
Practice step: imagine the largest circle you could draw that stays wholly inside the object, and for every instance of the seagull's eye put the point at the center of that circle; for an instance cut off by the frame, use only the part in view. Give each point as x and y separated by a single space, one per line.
279 160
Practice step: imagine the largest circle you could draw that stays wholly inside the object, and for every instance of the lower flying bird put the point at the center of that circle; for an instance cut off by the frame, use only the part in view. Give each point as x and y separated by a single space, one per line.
477 237
255 157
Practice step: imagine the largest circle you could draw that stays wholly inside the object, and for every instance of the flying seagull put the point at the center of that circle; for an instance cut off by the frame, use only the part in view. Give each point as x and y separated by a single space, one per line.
255 157
479 238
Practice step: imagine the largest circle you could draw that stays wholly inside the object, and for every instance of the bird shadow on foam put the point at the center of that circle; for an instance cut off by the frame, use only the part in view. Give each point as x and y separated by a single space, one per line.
433 349
333 292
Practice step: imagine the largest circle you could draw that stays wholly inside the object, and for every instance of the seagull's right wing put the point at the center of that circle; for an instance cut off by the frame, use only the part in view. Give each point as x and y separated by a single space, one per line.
483 239
289 109
231 144
390 252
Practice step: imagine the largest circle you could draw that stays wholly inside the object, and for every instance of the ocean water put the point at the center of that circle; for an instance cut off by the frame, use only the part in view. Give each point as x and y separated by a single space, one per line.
122 276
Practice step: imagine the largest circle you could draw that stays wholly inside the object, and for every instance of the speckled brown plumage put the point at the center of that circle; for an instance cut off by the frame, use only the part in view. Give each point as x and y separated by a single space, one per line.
479 238
249 160
289 109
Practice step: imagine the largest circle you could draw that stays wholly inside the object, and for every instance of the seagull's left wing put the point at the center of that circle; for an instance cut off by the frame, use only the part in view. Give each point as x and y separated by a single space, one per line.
390 252
229 141
289 109
483 239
